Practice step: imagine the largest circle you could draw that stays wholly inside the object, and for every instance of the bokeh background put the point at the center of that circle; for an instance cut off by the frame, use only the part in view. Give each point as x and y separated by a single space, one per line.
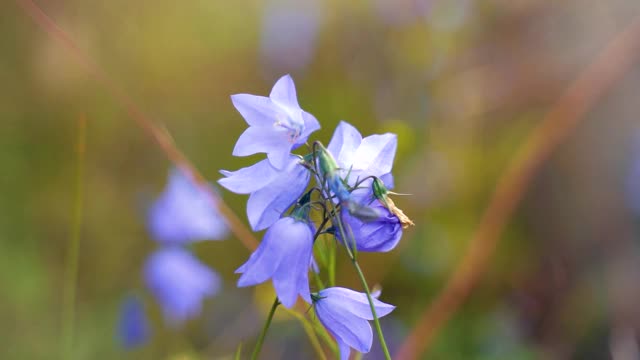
461 82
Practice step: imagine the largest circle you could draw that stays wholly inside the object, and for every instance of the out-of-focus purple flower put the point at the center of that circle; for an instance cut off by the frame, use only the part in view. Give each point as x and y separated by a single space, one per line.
284 255
345 313
277 124
133 326
359 158
179 283
272 191
379 235
289 33
184 213
633 178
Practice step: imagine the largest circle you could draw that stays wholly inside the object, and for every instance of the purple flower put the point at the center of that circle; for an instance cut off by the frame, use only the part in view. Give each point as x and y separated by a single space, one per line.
133 327
633 178
184 213
345 313
359 158
179 283
379 235
272 191
277 124
284 255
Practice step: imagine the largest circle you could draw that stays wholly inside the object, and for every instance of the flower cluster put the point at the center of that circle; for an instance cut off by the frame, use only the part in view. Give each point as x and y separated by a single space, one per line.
179 282
351 178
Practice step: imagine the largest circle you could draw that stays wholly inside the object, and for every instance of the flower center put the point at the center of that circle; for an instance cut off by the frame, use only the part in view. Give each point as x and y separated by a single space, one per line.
294 129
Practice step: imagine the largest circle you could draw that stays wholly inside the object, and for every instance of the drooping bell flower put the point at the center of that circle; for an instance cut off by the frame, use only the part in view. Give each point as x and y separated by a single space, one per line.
359 158
184 213
272 191
133 326
277 124
345 314
378 235
284 255
179 283
375 234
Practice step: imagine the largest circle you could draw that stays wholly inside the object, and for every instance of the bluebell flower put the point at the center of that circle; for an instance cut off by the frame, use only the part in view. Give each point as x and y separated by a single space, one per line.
344 313
277 124
284 255
184 213
378 235
179 283
133 326
359 158
272 191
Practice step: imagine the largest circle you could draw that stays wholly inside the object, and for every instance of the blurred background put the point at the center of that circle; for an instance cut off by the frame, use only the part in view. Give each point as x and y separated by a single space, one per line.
461 82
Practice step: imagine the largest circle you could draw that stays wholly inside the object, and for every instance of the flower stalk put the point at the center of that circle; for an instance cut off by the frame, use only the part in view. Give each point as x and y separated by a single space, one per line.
263 334
365 286
71 275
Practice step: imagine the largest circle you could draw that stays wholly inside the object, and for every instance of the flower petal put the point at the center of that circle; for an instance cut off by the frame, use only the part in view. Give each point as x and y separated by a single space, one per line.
283 92
261 139
265 260
278 156
344 300
375 154
256 110
266 205
311 124
380 235
345 349
351 329
292 276
388 181
343 145
249 179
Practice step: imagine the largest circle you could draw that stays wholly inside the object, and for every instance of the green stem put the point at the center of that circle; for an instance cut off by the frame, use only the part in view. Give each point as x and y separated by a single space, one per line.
73 247
256 350
331 268
318 280
363 280
373 311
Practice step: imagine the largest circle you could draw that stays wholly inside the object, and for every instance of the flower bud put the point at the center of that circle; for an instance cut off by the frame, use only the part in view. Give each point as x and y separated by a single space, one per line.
329 169
379 190
328 164
381 193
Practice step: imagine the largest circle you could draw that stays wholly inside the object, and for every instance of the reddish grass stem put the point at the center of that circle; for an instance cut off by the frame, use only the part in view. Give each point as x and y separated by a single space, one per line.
157 134
590 86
